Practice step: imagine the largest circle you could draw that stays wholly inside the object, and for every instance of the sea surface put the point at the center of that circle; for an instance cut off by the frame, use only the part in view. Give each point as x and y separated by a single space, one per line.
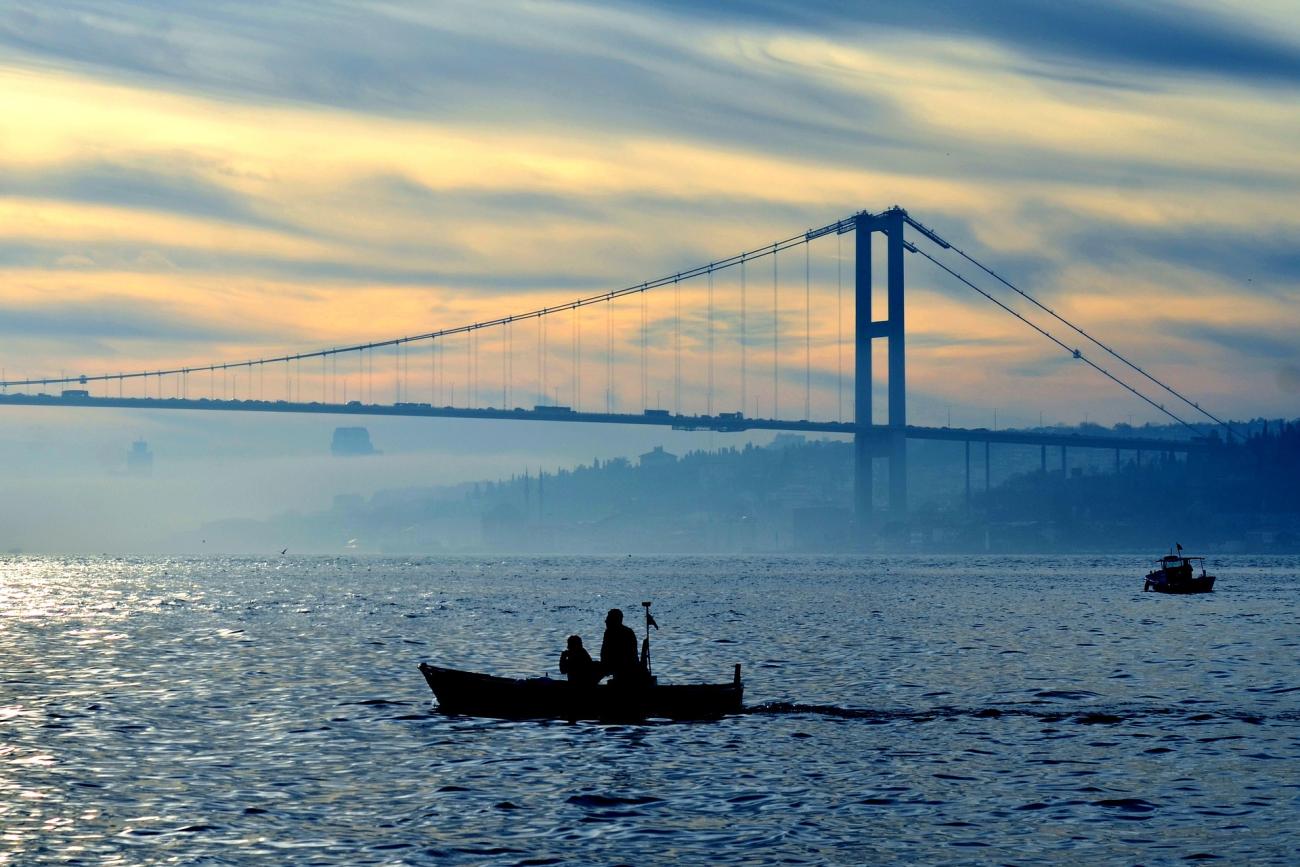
909 710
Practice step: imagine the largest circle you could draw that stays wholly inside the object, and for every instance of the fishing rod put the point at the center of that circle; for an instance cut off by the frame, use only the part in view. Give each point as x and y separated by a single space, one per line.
645 644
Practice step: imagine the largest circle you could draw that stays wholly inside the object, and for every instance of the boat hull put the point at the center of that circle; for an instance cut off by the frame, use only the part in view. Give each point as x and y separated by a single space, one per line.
1203 584
473 694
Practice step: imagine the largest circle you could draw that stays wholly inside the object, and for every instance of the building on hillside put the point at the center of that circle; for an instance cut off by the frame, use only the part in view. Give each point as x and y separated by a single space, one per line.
788 441
351 442
657 457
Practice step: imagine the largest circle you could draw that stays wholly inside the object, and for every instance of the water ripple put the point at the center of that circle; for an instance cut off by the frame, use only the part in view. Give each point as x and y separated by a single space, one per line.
902 710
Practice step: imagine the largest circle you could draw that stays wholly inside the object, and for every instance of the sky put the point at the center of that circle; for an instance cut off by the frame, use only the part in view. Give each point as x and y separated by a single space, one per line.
192 182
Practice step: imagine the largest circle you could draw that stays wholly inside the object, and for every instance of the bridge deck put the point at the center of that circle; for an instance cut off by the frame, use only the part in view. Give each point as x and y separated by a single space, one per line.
725 423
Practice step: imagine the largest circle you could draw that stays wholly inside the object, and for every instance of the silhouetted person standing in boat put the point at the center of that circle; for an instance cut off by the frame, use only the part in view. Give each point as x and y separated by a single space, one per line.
576 662
618 653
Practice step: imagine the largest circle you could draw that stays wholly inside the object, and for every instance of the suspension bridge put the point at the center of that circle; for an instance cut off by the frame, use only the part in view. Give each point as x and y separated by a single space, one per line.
719 338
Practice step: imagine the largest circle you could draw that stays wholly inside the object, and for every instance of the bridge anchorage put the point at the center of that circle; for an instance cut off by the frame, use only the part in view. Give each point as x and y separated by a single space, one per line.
540 393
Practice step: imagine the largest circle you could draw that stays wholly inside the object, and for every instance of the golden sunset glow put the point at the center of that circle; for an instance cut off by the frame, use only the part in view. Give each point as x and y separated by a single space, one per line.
259 222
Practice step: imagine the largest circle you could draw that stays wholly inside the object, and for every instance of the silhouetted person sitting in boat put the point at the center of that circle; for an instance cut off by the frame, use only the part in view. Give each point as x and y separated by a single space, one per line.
576 662
618 653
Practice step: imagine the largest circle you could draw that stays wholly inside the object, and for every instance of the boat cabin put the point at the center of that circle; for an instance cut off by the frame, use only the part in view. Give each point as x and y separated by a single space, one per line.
1176 567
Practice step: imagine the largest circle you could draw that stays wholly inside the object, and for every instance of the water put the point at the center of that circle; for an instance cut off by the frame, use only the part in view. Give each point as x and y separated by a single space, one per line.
907 710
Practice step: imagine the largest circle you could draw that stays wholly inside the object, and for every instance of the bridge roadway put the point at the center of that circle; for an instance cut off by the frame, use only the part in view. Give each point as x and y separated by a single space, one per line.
724 422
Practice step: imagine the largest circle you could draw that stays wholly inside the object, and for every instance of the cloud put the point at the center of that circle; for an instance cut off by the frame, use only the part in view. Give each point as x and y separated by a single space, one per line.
1162 36
606 72
734 75
123 185
359 170
1255 343
1255 261
119 318
945 339
1288 378
130 258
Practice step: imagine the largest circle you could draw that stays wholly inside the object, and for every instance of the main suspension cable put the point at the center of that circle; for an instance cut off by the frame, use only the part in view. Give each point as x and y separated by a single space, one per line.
845 225
1058 317
1074 352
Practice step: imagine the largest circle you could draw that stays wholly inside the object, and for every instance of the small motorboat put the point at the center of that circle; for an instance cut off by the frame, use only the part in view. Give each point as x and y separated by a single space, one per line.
1176 574
473 694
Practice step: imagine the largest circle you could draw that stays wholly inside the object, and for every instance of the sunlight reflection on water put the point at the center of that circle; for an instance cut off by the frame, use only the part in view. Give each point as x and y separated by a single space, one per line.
905 710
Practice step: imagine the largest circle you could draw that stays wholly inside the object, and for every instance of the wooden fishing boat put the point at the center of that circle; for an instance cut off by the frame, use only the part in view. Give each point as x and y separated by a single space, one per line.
474 694
1175 574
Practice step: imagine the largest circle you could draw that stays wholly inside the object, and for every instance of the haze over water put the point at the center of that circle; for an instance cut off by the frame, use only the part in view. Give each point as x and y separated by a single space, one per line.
902 710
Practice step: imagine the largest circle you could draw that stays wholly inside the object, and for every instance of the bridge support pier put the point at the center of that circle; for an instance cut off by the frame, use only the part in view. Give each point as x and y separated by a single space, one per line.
866 330
967 474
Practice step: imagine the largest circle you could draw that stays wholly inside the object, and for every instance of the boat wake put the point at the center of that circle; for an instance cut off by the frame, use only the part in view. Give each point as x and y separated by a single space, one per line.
1089 716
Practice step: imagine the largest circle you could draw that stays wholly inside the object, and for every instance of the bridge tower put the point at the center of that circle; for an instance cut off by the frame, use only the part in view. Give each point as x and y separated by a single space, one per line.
866 442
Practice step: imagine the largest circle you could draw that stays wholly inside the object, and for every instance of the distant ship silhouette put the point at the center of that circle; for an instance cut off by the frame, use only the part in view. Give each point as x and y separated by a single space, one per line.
139 460
351 442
